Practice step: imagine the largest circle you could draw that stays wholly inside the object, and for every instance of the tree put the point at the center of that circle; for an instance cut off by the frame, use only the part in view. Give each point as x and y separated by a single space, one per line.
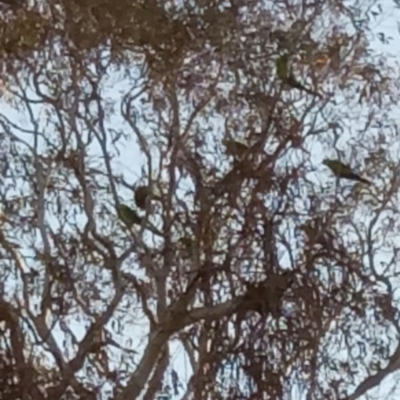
288 286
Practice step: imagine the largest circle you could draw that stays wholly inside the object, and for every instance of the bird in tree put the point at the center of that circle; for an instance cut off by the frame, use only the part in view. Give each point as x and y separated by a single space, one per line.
128 216
186 242
187 246
344 171
235 148
142 195
13 3
284 73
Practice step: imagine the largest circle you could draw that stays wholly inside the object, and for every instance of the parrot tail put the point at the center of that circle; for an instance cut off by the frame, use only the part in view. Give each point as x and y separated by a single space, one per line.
355 177
291 81
366 181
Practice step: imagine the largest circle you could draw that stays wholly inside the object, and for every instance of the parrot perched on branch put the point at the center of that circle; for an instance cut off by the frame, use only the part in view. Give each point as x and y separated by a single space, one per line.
142 195
287 77
128 216
131 217
234 148
186 242
187 246
13 3
344 171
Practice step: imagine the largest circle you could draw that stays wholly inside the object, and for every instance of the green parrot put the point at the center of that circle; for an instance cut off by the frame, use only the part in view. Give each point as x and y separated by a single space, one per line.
187 246
142 194
342 170
128 216
234 148
287 77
